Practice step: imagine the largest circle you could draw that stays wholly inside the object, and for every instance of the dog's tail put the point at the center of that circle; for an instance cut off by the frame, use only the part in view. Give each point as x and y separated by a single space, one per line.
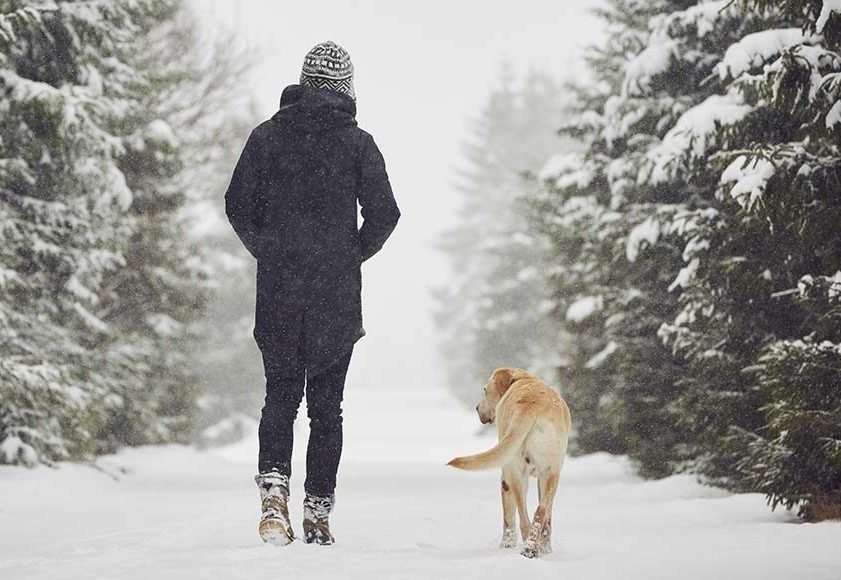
500 453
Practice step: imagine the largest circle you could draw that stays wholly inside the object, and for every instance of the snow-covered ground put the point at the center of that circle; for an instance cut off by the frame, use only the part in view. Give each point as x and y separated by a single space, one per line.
174 512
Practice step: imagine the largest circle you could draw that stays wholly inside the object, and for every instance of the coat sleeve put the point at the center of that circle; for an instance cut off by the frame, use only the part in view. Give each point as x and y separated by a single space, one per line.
379 209
241 197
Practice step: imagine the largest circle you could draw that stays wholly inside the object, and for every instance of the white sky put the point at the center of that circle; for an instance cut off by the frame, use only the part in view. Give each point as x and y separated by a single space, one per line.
423 71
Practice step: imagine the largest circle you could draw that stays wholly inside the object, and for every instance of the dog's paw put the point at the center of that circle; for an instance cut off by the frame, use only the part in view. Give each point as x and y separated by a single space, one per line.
530 550
544 545
509 539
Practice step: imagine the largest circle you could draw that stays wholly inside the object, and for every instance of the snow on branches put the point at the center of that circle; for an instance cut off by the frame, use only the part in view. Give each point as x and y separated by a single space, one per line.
749 177
27 17
692 137
754 50
827 9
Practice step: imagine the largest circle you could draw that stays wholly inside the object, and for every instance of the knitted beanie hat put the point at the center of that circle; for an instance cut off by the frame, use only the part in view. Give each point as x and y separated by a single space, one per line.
328 66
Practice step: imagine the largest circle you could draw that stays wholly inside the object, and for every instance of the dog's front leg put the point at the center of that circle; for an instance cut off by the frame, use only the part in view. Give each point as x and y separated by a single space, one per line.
509 513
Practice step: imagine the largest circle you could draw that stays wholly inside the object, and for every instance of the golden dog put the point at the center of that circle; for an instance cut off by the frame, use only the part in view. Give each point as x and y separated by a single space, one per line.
533 424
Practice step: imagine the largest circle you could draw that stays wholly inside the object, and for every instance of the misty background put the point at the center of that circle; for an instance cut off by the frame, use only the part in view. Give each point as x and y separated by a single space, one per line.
424 74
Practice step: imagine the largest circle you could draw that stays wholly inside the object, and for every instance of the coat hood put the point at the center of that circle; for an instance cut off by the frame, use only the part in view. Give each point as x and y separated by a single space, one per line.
310 109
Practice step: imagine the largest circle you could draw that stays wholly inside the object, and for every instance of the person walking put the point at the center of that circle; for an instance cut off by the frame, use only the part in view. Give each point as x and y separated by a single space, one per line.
293 202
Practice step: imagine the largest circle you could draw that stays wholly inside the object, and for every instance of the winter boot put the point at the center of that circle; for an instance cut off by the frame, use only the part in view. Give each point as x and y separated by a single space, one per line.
317 509
274 492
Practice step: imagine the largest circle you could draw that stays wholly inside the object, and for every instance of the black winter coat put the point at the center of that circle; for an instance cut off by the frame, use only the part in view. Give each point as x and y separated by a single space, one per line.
293 203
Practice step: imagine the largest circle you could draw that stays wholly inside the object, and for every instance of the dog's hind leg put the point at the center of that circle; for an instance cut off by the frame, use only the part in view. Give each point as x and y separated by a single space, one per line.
544 543
509 511
539 538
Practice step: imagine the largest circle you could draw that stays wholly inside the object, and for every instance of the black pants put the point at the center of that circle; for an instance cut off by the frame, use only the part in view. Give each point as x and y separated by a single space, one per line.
284 392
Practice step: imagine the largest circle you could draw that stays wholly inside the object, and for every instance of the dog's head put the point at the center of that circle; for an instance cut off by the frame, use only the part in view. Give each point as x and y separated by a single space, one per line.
496 387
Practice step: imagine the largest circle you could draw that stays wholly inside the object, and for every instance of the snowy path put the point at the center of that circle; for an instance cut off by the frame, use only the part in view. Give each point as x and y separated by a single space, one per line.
182 514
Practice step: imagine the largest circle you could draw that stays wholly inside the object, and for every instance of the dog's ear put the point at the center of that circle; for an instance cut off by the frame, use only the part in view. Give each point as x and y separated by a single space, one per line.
503 379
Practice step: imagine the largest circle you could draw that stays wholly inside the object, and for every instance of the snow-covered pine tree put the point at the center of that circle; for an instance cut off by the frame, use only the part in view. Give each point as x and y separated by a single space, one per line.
62 230
665 95
606 226
782 193
762 153
721 142
152 303
795 459
83 157
494 312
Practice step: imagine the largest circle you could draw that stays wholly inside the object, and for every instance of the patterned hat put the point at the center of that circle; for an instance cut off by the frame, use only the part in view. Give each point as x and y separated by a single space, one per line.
328 66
